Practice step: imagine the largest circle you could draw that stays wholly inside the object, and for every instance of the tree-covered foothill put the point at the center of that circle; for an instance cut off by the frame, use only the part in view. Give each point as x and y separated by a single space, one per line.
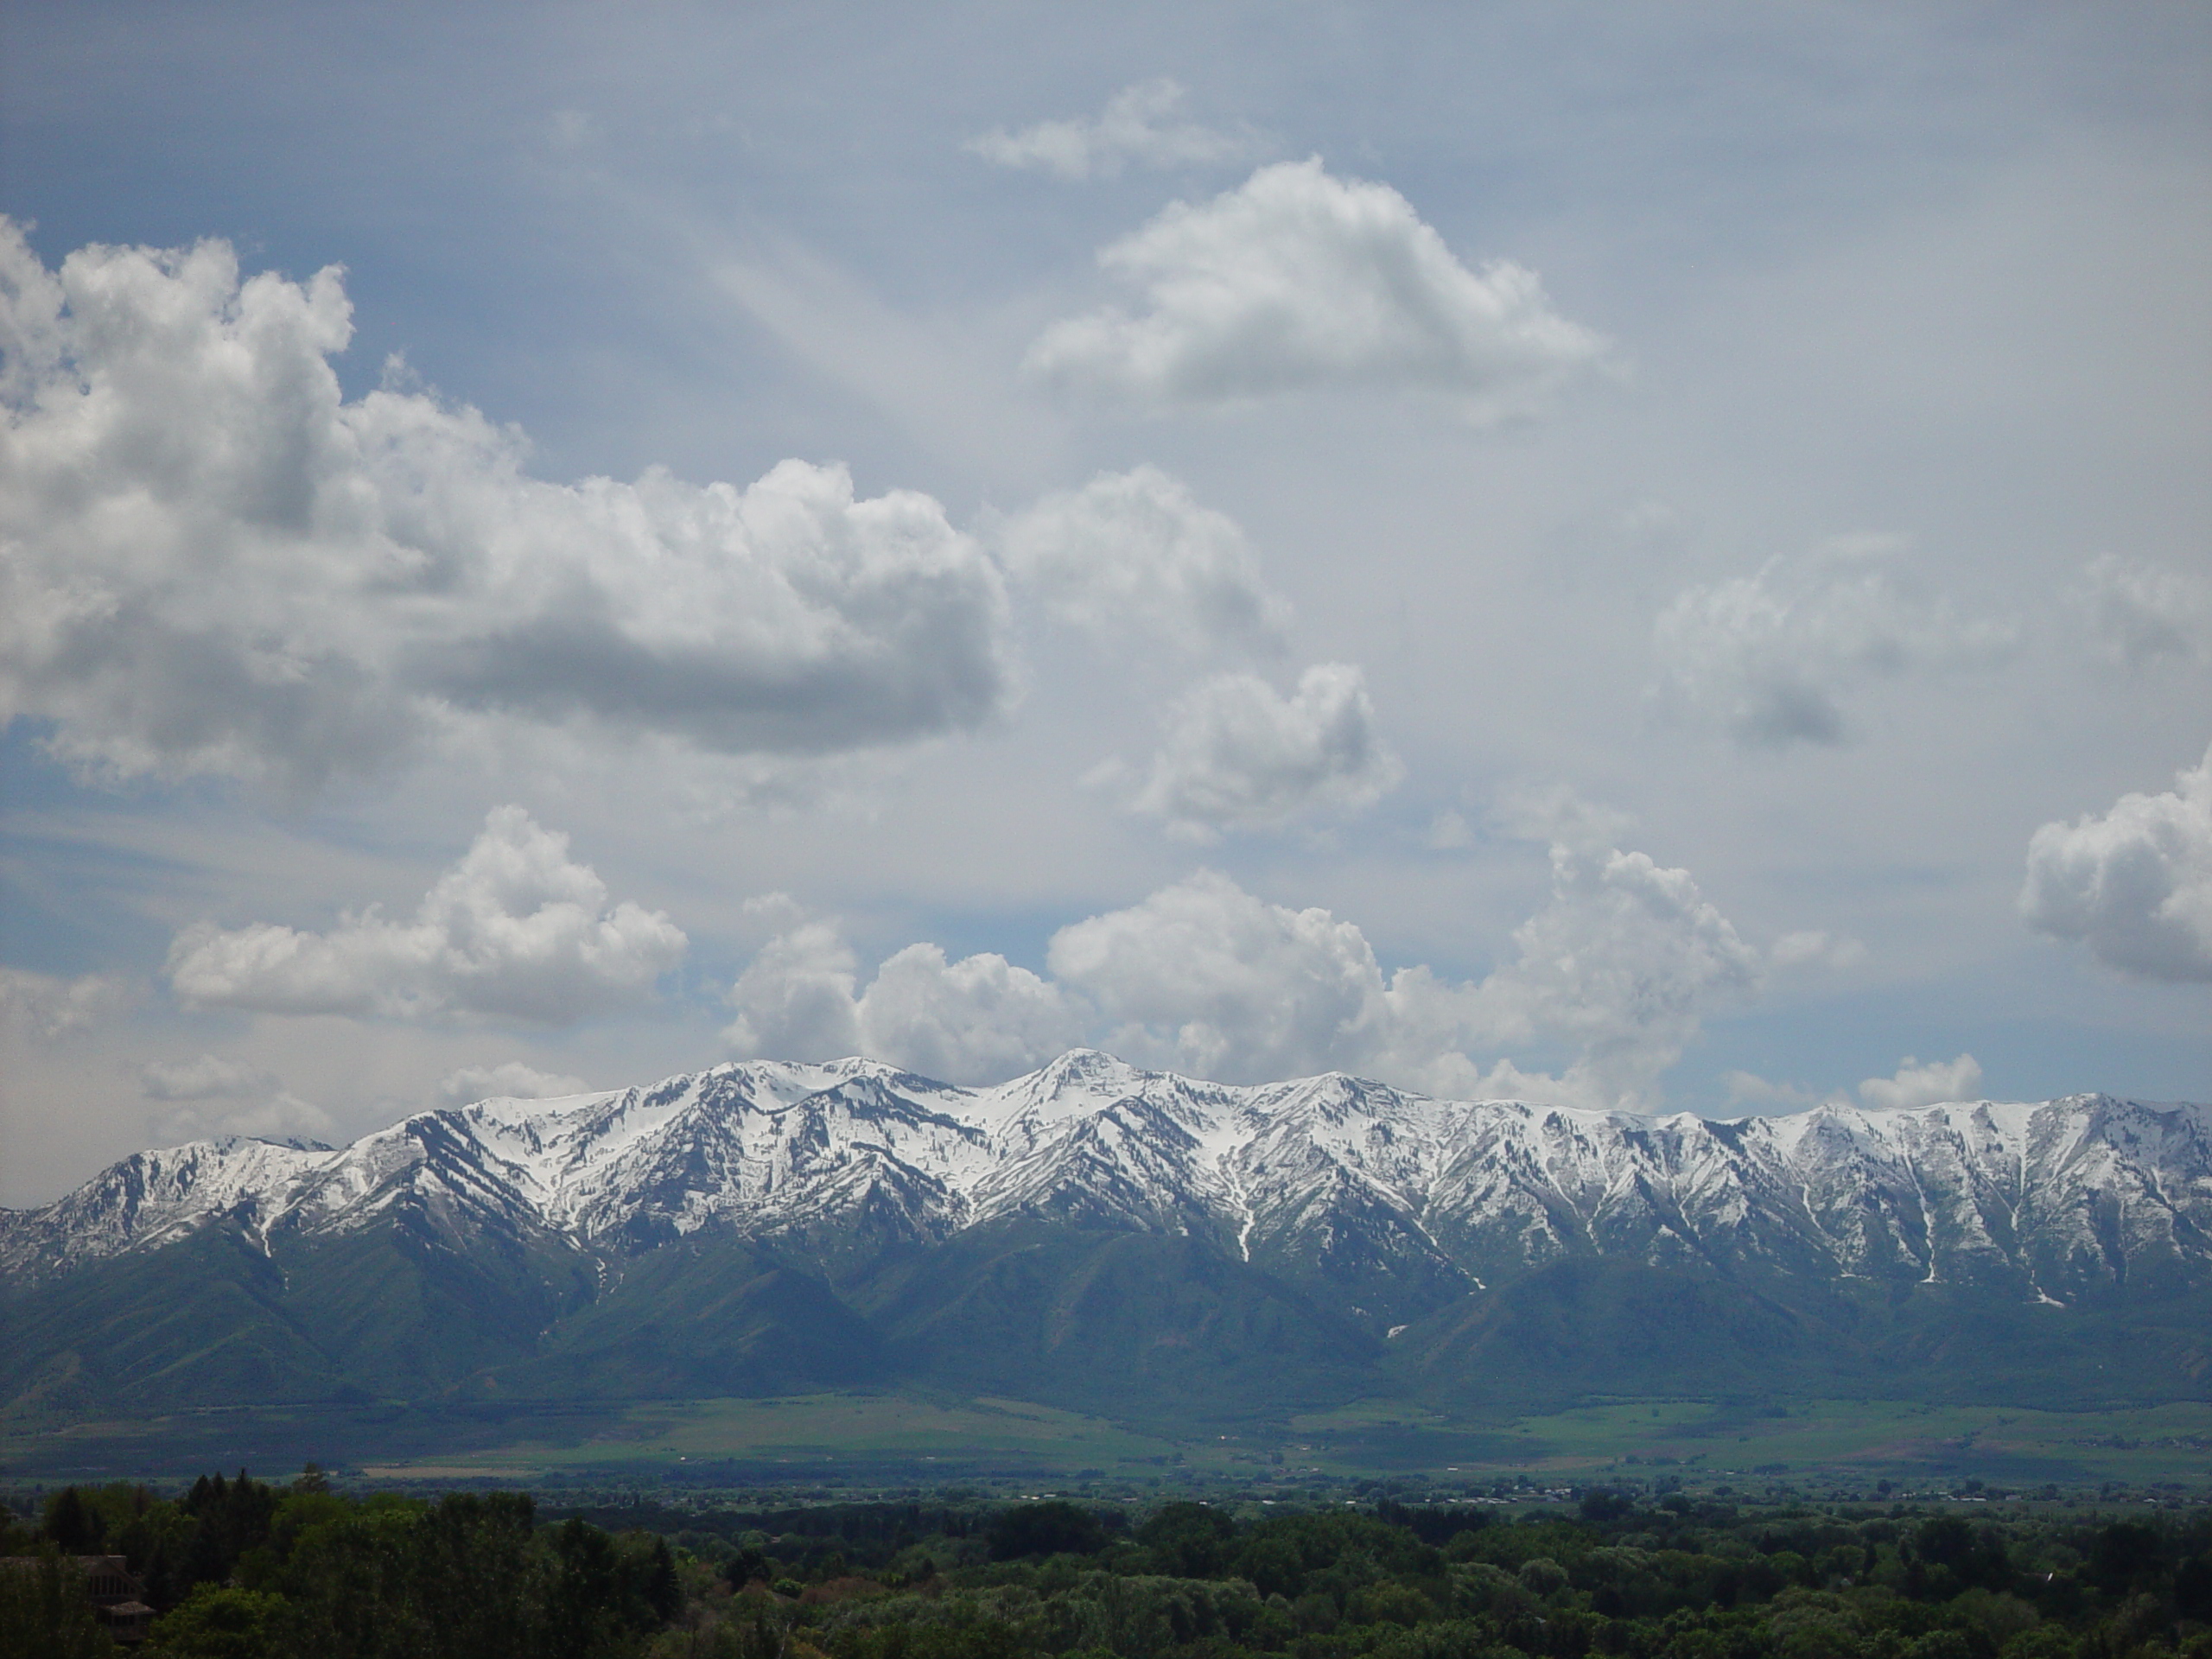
246 1569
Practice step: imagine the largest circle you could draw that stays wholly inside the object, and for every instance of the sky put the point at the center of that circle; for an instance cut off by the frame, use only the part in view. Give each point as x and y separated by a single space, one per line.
1630 556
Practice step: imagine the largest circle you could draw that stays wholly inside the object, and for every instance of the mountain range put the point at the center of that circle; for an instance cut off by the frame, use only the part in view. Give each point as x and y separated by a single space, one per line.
1112 1238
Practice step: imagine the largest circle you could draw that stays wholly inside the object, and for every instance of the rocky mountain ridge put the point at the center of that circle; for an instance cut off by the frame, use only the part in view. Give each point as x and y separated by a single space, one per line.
1394 1201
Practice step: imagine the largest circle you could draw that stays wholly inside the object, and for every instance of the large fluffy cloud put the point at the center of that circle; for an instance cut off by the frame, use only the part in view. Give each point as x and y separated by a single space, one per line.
517 929
795 1001
1771 657
978 1018
1138 126
1623 965
211 561
1297 279
2134 884
1618 971
1136 553
1206 976
1239 755
973 1020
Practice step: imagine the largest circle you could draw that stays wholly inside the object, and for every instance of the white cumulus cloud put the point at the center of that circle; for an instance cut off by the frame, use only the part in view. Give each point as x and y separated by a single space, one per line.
979 1019
982 1018
1932 1084
2134 884
509 1080
1623 964
1206 976
1135 553
212 563
517 929
1618 971
796 1000
2141 614
1771 657
1299 280
1237 754
1137 127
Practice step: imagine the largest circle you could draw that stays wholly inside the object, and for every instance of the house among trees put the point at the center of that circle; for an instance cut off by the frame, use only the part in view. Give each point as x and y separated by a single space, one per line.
116 1594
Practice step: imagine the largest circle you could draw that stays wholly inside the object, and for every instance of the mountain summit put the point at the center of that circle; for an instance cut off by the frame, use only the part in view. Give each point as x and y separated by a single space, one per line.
1096 1232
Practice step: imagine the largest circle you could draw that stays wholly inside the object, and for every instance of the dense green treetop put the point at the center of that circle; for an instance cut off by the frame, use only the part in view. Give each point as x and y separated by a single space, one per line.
243 1569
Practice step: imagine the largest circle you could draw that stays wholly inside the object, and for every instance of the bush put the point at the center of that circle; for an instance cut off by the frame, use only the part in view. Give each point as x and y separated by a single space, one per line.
221 1622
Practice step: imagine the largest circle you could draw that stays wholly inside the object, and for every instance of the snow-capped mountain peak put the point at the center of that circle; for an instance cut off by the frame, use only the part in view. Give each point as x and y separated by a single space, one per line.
1331 1173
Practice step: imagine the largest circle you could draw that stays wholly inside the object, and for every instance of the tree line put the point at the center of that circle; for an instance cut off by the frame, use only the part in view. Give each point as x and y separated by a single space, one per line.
242 1569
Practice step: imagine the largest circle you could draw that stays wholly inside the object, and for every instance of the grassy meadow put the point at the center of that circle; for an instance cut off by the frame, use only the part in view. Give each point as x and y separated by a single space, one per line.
905 1439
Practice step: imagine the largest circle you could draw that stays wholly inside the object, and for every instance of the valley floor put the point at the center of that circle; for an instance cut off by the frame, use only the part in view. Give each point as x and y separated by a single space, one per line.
872 1440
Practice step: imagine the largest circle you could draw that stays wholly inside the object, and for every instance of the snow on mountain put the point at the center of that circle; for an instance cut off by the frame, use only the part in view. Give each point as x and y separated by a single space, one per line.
153 1199
1354 1182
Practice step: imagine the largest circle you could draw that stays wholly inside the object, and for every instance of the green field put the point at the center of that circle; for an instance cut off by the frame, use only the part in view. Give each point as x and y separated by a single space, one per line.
810 1431
1856 1442
878 1437
1867 1439
1700 1441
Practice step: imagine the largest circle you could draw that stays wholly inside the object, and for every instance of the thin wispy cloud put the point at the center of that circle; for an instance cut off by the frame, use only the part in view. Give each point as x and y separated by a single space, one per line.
1773 658
2144 615
1140 126
209 1095
47 1008
934 379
